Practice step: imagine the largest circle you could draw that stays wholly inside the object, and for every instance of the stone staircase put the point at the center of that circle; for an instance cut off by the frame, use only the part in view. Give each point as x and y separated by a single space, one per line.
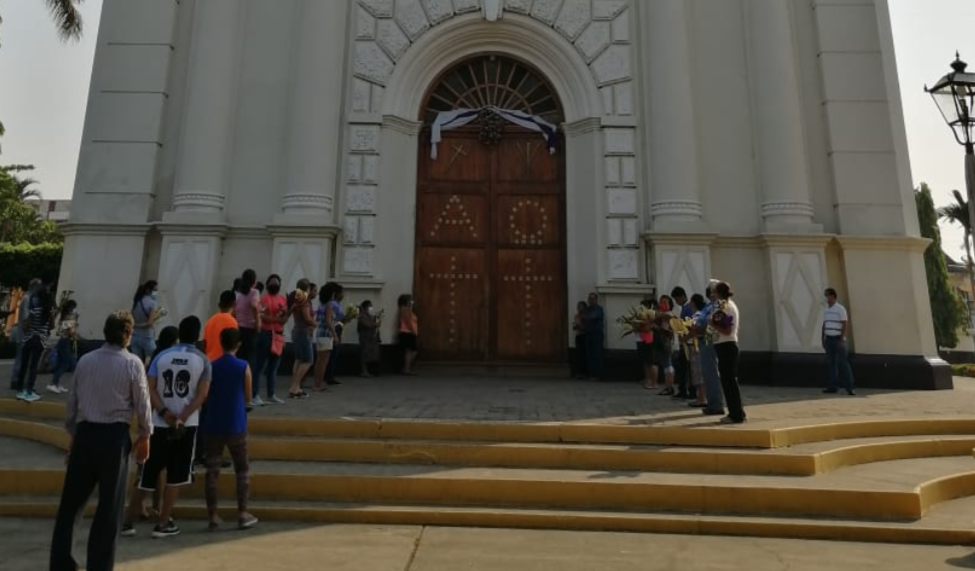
877 480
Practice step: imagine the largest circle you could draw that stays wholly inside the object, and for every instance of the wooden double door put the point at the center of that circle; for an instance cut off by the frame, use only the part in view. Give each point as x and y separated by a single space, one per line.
489 275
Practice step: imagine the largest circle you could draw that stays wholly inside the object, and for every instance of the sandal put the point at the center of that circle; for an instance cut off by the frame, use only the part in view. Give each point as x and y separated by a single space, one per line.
666 392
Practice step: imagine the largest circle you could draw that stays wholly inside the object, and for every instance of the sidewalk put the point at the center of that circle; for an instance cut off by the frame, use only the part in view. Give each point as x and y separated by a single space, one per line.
569 400
279 547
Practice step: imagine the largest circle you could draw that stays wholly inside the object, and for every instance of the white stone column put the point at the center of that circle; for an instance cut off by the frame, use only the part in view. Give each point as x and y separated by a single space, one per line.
304 231
316 110
778 123
210 109
672 148
194 230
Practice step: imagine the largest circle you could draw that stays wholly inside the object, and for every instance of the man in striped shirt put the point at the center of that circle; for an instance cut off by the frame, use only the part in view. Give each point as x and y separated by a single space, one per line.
835 325
110 388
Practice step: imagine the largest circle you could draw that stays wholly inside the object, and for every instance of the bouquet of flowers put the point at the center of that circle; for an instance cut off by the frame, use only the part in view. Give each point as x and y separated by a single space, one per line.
379 318
635 320
721 321
352 311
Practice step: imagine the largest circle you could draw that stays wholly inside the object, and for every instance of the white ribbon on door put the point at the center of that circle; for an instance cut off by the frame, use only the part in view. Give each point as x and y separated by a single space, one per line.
448 120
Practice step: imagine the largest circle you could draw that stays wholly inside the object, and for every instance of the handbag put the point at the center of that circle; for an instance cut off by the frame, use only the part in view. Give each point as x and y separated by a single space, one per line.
277 344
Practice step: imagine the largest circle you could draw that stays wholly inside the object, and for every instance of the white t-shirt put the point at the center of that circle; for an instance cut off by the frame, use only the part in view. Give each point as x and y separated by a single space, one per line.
179 372
833 320
732 310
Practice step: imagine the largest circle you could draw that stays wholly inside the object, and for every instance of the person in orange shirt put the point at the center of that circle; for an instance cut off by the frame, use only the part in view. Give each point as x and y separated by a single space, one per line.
217 323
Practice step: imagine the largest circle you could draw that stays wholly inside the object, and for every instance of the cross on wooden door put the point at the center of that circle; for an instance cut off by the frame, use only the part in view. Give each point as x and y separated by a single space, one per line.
453 278
529 277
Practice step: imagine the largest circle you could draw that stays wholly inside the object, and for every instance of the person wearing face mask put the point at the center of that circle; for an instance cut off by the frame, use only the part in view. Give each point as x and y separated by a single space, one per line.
368 329
270 341
145 312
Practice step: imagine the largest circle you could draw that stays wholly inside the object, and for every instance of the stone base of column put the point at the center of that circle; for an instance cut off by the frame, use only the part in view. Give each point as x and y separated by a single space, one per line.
188 269
797 269
102 265
302 252
681 259
887 289
790 218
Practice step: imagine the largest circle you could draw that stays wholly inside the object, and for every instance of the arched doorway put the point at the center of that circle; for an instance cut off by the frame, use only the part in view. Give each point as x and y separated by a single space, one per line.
489 269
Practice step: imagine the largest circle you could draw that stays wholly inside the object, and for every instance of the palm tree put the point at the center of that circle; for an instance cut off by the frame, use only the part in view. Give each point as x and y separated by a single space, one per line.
23 192
957 212
67 17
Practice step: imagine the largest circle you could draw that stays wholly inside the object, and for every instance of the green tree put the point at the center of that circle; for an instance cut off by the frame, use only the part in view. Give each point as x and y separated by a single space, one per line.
957 213
19 220
947 309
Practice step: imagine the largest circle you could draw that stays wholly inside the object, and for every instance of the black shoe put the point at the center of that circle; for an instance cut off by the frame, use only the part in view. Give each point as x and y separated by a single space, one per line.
333 382
128 530
226 463
830 391
712 412
729 420
851 392
168 530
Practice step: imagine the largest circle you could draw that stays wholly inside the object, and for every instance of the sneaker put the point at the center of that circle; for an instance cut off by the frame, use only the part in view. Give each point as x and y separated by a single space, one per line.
273 399
256 402
21 395
54 389
128 530
31 397
64 390
729 420
713 411
247 521
851 392
168 530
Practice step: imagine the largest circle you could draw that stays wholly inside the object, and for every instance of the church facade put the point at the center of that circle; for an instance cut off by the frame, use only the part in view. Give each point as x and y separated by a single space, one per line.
500 159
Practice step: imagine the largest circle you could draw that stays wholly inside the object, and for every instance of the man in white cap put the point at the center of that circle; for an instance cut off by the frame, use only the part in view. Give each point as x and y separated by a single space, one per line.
709 360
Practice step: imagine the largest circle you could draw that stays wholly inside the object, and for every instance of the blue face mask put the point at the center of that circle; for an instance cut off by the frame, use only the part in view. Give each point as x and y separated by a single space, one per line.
154 294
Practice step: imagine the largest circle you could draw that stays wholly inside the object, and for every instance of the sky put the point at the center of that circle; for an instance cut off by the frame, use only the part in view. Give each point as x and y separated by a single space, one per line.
44 91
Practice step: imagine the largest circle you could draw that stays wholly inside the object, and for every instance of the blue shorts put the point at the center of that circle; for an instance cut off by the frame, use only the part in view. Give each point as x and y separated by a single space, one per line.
301 340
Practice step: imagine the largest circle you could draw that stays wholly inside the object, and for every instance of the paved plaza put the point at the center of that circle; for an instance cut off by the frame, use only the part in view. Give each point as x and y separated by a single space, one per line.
285 547
506 399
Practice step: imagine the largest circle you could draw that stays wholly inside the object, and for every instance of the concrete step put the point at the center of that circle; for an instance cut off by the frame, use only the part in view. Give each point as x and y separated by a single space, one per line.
949 524
900 490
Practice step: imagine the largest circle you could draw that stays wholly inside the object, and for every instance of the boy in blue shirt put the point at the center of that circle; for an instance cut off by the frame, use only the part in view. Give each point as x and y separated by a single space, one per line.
225 426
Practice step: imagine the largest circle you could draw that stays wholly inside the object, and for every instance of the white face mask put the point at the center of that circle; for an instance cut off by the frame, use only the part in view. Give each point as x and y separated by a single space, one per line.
154 294
371 311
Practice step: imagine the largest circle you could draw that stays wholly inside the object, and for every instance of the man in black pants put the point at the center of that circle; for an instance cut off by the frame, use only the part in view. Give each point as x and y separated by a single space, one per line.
110 388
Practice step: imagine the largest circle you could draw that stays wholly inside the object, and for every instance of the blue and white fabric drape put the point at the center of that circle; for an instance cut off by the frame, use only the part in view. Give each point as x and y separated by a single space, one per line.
447 120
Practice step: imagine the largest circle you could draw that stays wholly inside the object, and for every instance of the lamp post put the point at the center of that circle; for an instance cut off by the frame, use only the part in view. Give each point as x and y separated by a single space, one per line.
954 94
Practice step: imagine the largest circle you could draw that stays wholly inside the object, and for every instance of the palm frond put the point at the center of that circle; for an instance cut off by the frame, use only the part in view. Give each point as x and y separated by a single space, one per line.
66 17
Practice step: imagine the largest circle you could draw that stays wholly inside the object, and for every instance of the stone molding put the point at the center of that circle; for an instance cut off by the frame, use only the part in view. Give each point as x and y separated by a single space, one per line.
205 230
198 201
787 208
303 231
582 127
884 243
624 288
817 241
401 125
302 200
680 238
689 210
102 229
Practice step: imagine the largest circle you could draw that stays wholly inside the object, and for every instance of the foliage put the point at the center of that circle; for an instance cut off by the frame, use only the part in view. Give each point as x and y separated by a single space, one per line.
66 17
947 309
957 212
21 262
19 221
966 370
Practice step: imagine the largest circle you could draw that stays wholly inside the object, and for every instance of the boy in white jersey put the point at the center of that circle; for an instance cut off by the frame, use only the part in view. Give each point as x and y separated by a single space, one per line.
179 380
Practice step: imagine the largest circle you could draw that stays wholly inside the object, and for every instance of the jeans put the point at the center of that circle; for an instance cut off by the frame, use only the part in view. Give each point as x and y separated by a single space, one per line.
15 373
728 367
594 354
66 359
142 346
248 345
29 360
681 371
712 378
99 457
266 361
838 362
237 445
580 364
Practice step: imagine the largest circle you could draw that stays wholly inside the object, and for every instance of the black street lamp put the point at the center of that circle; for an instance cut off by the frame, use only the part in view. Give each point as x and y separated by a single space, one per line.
955 96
